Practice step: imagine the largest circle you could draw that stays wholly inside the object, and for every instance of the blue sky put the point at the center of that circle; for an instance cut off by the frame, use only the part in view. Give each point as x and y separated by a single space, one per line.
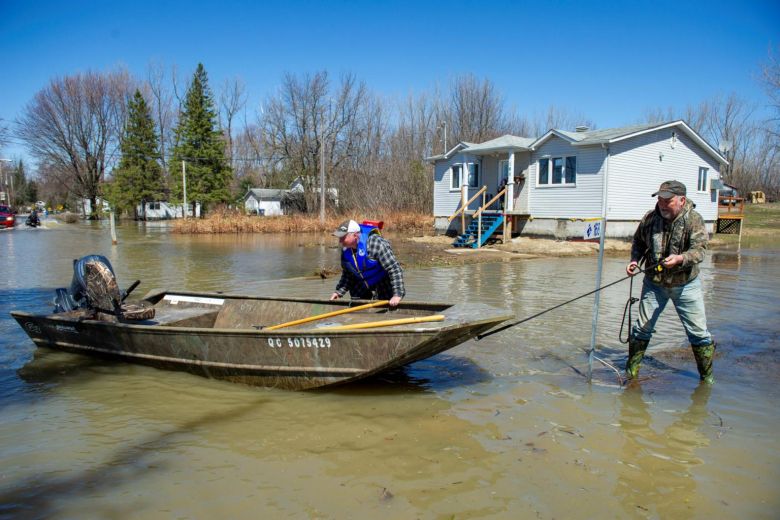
609 61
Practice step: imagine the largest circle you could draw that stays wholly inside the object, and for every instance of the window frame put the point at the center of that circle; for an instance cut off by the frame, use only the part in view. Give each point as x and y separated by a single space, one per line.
701 187
565 175
459 177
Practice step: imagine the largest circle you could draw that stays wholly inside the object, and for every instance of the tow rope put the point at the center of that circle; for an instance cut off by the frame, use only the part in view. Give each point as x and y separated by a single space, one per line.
631 300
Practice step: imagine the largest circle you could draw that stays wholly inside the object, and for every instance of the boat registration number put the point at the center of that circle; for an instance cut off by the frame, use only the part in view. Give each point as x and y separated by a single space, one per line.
306 342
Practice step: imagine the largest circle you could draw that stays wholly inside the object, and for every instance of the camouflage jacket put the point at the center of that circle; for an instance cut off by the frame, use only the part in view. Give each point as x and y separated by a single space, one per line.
656 238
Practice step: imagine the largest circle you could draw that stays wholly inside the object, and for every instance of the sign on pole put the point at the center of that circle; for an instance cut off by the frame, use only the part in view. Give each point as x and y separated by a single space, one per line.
592 230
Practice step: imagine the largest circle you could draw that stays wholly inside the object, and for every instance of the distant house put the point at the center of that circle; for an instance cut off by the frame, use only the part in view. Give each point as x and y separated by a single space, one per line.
86 206
562 179
161 210
271 202
267 202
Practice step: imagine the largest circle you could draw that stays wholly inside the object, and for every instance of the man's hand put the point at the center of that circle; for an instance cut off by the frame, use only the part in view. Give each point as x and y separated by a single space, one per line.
632 268
672 260
394 301
335 296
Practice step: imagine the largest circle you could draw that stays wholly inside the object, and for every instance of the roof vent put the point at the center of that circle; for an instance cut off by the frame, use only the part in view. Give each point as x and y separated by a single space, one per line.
582 128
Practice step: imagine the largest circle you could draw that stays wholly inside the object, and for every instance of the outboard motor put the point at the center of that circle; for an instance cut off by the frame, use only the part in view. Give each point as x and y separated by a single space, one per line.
94 288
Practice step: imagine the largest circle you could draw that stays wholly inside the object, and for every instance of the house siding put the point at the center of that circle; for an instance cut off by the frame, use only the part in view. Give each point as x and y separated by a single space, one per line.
636 169
446 201
583 200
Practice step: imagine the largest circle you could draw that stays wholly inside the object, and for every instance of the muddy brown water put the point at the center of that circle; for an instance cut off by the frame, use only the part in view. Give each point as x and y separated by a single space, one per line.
506 427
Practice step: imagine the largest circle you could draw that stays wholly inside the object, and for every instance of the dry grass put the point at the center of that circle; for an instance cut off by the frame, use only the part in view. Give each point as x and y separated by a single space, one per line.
233 222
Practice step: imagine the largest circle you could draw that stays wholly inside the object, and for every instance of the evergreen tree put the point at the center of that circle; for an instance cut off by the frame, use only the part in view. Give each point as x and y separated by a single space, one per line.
138 178
201 145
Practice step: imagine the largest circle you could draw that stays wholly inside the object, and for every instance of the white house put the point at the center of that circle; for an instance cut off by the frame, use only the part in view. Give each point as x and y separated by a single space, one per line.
266 202
562 179
161 210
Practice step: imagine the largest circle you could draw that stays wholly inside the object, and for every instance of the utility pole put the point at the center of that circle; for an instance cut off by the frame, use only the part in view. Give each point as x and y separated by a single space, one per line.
184 186
322 180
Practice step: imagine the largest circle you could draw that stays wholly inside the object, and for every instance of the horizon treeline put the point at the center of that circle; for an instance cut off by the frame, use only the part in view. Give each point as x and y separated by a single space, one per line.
124 139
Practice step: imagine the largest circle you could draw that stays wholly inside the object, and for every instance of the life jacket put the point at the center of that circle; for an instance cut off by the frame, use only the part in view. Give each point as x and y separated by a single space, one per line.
369 271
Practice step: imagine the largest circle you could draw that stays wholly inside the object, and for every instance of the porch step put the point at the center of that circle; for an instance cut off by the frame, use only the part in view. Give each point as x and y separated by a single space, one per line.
490 223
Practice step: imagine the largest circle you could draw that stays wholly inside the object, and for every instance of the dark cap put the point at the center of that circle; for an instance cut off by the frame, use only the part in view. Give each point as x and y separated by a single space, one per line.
348 226
669 189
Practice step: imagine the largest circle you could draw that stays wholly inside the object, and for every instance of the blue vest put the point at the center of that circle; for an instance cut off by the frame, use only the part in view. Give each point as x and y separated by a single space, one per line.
358 263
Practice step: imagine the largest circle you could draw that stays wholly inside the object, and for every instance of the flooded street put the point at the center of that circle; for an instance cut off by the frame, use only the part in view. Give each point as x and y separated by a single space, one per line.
505 427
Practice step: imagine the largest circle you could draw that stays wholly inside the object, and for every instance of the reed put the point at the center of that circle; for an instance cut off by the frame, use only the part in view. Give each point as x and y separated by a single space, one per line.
227 221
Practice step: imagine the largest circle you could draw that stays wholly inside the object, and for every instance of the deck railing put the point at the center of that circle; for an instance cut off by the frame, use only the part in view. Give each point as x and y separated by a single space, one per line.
731 207
478 212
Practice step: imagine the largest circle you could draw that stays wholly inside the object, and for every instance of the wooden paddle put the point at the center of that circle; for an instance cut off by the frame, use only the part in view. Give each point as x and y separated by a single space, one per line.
379 303
385 323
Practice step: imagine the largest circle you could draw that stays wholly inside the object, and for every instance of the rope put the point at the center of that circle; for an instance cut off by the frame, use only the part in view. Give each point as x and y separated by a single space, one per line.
518 322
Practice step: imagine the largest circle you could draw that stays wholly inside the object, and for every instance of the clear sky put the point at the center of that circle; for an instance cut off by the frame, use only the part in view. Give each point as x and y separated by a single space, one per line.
609 61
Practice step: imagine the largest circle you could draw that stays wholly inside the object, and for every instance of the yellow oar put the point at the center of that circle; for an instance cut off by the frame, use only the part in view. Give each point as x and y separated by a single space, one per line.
385 323
328 315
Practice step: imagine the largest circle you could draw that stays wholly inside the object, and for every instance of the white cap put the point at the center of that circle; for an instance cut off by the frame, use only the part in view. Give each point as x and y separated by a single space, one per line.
348 226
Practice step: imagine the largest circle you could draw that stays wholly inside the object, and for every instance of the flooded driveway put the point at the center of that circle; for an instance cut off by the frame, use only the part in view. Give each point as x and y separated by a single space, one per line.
506 427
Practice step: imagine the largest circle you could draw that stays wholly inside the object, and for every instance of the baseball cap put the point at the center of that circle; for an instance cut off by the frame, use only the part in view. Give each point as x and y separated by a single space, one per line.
348 226
669 189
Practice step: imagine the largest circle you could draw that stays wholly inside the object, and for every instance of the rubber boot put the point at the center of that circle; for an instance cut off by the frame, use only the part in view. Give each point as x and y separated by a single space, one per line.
636 351
703 355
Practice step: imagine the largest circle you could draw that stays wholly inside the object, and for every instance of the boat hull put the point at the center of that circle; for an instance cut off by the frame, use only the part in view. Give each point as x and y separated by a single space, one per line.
292 358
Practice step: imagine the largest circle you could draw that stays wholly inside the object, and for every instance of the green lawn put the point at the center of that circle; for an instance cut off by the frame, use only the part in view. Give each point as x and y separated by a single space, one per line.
762 216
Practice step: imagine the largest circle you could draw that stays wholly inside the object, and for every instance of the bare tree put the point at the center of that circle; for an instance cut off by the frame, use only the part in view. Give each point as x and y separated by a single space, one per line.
4 133
73 125
475 111
162 110
559 118
232 100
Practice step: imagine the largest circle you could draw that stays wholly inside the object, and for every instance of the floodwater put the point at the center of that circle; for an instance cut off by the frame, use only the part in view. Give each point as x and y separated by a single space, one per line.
505 427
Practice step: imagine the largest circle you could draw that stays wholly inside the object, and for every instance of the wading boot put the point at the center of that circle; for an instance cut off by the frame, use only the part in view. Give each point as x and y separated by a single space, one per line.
636 351
703 355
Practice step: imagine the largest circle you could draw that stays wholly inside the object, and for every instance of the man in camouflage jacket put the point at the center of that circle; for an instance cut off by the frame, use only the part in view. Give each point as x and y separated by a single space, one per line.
672 236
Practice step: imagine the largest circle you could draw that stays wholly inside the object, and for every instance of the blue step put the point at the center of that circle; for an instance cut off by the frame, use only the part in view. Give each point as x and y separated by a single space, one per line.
490 223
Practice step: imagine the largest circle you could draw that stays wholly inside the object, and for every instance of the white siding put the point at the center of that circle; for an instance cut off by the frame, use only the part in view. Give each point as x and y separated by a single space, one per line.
583 200
445 200
639 165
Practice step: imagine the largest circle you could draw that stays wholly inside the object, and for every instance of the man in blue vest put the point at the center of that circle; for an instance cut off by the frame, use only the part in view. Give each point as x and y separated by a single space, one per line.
369 267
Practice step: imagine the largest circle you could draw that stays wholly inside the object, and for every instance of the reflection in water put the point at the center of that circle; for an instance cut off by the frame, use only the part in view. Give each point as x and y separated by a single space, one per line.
656 471
505 427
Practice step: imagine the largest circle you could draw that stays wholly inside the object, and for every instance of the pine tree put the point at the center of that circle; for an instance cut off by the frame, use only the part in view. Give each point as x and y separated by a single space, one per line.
201 145
138 178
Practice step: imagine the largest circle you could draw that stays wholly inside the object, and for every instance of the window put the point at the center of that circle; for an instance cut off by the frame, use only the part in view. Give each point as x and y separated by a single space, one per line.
560 171
473 175
455 180
702 184
153 206
544 173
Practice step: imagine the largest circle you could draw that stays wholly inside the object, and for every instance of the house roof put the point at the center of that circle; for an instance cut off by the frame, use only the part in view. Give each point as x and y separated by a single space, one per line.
265 194
455 149
505 143
613 135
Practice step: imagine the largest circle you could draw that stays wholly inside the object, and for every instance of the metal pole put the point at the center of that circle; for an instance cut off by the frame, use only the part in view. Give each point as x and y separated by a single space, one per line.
595 320
184 187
